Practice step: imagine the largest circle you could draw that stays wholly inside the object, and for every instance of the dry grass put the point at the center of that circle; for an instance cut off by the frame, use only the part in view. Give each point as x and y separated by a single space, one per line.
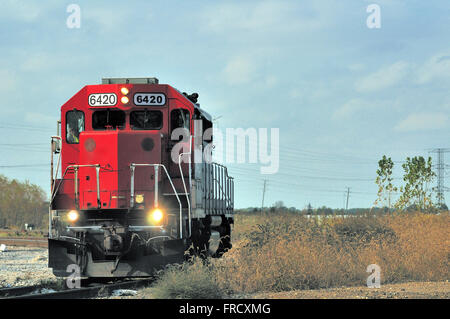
280 252
187 281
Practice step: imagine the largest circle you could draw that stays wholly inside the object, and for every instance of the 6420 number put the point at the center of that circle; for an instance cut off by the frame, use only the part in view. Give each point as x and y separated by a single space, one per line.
102 99
149 99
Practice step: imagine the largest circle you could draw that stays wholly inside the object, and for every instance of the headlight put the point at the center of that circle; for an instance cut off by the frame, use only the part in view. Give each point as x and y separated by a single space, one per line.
73 216
124 91
124 100
155 216
139 198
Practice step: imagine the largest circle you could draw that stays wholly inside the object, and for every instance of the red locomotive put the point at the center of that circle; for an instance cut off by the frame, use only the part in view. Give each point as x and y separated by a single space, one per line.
128 196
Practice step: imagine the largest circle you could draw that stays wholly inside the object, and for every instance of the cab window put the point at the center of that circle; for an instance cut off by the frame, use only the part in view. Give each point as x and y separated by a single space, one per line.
74 126
146 120
179 118
108 119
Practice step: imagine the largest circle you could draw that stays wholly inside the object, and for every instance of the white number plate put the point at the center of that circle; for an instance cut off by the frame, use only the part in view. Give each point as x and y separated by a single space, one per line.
149 99
102 99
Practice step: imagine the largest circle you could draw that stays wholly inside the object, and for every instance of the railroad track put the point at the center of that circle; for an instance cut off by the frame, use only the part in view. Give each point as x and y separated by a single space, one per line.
97 290
24 241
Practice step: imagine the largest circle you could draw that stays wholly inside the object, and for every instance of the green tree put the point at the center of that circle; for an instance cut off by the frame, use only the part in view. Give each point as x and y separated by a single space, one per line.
418 175
384 181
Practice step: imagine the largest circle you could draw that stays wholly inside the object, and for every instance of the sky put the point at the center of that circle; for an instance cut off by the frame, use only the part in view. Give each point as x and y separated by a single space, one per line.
340 93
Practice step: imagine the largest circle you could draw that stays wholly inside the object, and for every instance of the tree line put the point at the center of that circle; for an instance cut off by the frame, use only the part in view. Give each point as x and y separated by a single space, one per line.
22 203
317 211
416 192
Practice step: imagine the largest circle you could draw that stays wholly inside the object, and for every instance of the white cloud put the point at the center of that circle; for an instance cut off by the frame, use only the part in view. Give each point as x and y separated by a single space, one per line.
446 105
270 81
437 67
350 108
311 92
243 69
296 93
35 62
106 19
8 81
25 11
263 17
239 70
356 67
383 78
422 121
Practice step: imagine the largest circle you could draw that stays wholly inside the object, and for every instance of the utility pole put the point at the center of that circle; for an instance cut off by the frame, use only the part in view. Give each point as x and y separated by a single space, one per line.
440 189
264 193
346 205
343 203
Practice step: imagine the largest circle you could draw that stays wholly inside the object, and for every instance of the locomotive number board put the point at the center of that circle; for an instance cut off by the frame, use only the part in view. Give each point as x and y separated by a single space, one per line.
102 99
149 99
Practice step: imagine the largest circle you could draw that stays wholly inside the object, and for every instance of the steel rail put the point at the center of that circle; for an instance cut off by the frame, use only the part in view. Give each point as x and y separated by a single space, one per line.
100 290
11 241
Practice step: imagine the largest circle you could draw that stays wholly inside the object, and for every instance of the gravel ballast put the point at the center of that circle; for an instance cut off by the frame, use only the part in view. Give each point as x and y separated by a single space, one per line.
24 266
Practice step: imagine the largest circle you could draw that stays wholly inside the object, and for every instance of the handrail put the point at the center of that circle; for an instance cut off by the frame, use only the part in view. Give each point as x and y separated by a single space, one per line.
55 191
223 192
132 168
220 188
76 167
53 181
57 165
190 182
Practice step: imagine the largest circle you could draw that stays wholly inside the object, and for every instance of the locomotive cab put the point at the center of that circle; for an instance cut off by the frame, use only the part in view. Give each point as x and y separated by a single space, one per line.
127 195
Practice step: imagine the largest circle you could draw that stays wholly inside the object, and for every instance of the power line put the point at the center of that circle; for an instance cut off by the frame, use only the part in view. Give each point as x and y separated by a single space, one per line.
26 128
318 155
23 165
285 186
23 144
292 174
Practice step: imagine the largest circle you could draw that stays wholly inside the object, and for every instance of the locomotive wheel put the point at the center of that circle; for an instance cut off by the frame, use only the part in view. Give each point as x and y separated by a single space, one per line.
199 241
209 242
225 240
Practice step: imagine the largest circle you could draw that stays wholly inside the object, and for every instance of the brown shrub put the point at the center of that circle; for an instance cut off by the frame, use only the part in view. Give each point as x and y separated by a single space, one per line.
292 252
287 251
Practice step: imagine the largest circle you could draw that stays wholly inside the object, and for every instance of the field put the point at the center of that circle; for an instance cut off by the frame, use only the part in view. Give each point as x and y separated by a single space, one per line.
282 252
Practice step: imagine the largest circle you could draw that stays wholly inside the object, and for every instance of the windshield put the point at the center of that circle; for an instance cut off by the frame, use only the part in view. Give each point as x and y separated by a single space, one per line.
107 119
146 120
